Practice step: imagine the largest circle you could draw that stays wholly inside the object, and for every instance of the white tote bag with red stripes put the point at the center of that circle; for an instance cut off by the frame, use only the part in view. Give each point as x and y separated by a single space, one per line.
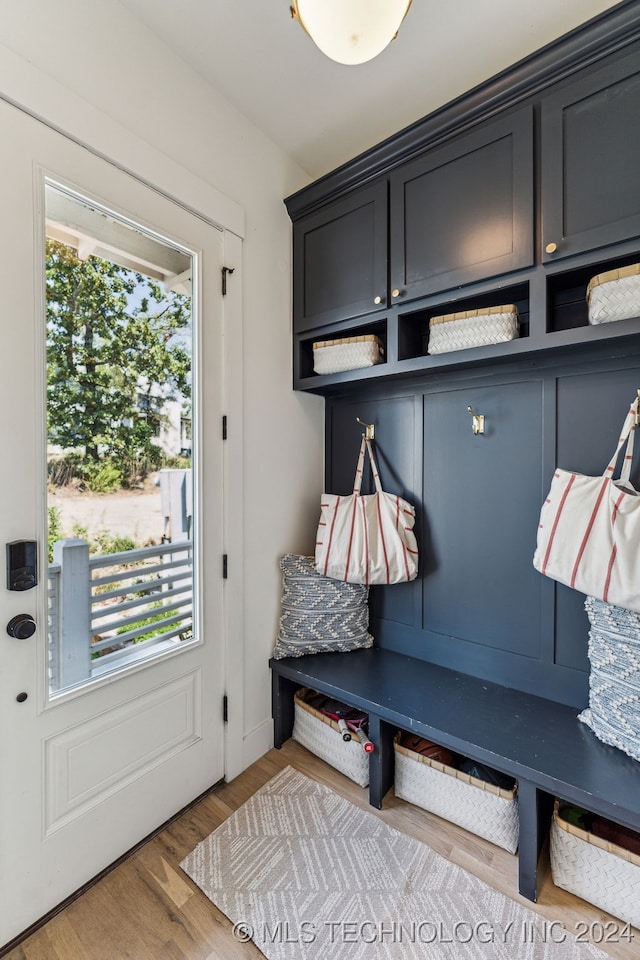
589 532
366 538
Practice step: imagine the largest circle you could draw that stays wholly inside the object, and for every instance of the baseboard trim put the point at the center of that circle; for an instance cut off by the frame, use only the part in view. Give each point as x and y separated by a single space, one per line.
256 743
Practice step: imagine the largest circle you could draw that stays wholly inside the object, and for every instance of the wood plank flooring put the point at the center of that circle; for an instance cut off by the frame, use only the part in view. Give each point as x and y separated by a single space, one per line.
148 909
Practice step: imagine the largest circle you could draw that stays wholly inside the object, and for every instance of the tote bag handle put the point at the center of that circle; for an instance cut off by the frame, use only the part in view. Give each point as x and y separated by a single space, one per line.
627 436
357 483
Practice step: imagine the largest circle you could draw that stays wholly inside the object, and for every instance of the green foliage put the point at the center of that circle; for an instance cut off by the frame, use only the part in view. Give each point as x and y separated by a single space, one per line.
107 474
148 621
101 543
62 470
54 531
155 612
114 359
104 541
103 476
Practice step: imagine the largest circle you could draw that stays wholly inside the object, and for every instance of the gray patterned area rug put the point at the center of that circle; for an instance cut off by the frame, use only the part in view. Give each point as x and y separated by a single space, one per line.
307 875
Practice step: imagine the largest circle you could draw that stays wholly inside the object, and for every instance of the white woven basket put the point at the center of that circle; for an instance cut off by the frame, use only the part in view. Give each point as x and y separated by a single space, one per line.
595 869
488 811
349 353
614 295
320 734
473 328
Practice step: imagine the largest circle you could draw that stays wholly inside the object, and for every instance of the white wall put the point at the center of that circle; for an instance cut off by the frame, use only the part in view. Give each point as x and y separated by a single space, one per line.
88 67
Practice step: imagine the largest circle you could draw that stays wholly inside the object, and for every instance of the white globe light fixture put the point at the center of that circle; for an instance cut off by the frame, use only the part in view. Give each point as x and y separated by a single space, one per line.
350 31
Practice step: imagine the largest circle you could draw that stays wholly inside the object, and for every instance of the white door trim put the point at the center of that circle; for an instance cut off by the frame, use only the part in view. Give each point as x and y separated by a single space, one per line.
233 519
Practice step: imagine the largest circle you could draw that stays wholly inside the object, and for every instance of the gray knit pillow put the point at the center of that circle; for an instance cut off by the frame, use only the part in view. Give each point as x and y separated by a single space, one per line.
320 615
614 682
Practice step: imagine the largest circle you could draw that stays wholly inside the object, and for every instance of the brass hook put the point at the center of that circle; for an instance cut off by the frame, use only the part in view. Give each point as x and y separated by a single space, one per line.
370 430
477 423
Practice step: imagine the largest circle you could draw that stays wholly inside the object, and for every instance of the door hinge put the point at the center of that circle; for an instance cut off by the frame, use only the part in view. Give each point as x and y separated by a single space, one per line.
224 427
225 566
225 271
225 709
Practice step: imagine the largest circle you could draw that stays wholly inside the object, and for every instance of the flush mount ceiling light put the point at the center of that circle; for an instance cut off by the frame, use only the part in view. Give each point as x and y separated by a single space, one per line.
350 31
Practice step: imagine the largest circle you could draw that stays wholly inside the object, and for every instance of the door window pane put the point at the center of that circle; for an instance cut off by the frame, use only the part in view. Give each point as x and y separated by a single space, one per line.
119 323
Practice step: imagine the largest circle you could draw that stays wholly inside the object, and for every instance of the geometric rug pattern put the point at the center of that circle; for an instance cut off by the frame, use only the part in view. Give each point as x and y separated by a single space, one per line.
307 875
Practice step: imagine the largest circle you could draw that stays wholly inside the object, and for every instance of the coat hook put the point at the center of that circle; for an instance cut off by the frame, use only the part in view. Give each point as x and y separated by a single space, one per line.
370 430
477 423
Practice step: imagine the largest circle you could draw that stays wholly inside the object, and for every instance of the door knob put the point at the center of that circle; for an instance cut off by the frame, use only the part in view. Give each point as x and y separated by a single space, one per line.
22 626
551 248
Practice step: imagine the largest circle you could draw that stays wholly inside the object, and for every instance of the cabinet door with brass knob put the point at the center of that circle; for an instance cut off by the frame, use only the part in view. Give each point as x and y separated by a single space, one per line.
464 211
590 140
340 258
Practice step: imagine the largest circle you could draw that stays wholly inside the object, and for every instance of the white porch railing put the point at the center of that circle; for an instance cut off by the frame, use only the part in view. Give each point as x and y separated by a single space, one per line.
107 610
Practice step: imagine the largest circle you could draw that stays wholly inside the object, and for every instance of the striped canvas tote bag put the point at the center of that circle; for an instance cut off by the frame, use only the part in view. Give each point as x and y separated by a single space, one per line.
366 538
589 531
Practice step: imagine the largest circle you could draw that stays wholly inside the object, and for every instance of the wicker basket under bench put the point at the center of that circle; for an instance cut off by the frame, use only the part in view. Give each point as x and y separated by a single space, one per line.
482 808
594 869
321 736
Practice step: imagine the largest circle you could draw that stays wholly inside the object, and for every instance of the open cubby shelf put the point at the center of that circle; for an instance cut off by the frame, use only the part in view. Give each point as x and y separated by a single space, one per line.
566 294
413 324
552 309
377 327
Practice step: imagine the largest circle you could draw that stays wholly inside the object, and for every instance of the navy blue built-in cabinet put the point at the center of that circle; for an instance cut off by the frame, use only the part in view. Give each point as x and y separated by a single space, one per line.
519 192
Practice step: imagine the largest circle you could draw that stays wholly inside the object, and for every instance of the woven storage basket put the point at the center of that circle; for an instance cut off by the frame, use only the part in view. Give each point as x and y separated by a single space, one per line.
595 869
473 328
488 811
320 734
350 353
614 295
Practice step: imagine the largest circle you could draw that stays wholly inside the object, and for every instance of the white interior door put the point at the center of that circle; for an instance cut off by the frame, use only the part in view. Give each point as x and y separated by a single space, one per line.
100 744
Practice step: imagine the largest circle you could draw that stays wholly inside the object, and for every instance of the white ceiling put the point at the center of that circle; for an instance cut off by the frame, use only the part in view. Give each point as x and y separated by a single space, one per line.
323 113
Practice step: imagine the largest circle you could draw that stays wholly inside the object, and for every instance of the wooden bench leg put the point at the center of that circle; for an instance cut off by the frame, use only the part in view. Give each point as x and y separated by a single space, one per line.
534 810
282 707
381 761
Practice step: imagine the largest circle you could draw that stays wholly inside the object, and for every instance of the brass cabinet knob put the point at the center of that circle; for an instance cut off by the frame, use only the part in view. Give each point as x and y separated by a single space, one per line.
395 293
377 299
551 248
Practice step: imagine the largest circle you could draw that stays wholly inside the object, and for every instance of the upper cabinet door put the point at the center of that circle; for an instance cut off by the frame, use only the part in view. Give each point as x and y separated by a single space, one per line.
591 160
464 211
340 257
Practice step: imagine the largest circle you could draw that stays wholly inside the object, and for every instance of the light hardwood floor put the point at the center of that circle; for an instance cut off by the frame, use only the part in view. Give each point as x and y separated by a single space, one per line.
147 909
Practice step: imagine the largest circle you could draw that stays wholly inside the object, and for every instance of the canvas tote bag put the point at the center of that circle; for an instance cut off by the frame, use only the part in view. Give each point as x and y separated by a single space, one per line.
366 539
589 531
